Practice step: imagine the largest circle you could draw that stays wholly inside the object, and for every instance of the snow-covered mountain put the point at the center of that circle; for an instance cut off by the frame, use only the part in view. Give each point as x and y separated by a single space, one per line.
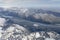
29 24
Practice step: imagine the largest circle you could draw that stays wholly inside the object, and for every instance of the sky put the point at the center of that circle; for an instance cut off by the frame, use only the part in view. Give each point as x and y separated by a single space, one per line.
30 3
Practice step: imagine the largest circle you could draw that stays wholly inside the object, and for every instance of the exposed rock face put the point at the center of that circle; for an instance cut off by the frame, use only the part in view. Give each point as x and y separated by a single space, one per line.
29 24
14 32
17 32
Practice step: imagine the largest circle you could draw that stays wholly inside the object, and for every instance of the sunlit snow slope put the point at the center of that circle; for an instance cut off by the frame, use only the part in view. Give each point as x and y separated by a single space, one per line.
29 24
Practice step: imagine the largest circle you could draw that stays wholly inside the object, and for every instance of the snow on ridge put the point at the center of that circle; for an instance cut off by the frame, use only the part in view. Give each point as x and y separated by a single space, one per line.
47 17
14 31
2 24
17 32
2 21
42 36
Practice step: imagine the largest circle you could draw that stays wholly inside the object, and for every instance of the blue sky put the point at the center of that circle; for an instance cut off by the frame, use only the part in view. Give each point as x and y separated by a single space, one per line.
30 3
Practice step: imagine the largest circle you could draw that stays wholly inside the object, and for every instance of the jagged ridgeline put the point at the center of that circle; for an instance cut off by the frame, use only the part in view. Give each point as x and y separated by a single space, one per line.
29 24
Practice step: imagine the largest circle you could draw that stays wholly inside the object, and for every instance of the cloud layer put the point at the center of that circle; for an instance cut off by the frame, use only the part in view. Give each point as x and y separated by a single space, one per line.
30 3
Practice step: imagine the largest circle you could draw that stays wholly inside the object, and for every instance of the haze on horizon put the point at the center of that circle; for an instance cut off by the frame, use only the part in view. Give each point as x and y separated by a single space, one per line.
30 3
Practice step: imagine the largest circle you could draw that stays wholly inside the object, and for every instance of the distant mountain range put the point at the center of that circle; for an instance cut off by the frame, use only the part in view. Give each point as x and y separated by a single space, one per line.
29 24
32 14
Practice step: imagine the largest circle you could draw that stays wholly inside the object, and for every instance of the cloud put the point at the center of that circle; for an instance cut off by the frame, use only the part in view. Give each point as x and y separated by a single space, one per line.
8 1
28 3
